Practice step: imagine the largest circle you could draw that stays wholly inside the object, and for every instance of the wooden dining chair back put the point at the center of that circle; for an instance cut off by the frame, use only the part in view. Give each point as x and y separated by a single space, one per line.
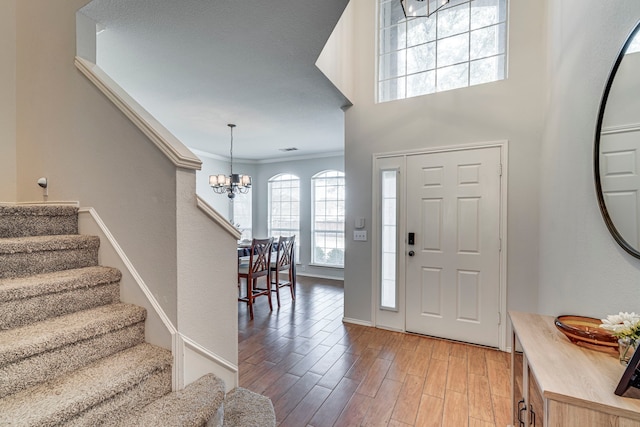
284 262
259 263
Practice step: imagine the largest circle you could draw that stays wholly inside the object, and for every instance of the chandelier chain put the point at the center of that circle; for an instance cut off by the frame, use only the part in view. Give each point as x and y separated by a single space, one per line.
234 183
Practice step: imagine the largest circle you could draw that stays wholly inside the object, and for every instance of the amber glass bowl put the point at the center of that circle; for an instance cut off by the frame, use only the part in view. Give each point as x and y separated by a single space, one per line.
586 332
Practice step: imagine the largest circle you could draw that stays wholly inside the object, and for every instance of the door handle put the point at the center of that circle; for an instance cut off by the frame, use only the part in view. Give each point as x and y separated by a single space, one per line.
522 407
532 416
411 253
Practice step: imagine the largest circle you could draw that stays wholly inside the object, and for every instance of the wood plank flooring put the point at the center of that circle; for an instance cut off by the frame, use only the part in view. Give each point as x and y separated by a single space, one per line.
320 372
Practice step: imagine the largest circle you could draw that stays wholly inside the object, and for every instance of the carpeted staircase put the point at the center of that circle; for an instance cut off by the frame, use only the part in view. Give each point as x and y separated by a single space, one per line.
72 354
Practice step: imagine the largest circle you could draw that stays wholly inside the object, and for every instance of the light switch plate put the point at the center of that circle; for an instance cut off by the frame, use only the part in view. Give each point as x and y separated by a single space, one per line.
360 235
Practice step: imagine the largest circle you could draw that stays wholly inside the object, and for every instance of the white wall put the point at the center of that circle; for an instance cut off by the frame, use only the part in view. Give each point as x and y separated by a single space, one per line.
8 101
334 60
582 269
509 109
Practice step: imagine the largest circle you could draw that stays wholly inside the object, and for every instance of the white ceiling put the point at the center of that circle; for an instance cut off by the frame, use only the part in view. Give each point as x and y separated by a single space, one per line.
197 65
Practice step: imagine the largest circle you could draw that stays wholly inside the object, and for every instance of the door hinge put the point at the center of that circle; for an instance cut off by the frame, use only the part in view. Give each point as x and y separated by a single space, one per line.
500 170
499 318
499 244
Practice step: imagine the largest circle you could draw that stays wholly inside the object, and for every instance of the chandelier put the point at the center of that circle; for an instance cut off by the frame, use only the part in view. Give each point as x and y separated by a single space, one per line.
233 183
426 8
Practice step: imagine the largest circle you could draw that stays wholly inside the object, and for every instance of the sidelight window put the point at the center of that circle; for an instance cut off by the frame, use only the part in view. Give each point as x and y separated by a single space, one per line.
389 240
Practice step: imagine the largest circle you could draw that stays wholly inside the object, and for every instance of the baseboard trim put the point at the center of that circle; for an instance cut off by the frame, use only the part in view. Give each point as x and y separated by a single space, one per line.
166 322
202 362
189 343
318 276
357 322
387 328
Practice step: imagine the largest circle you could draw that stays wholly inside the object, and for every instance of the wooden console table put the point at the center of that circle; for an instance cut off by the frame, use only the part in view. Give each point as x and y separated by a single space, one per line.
555 383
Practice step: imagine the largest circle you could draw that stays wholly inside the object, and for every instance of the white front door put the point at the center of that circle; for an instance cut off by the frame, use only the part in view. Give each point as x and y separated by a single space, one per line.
453 277
619 164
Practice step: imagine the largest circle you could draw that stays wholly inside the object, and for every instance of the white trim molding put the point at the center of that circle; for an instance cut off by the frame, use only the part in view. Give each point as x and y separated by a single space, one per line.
158 315
319 276
217 218
190 359
64 203
175 150
612 130
198 361
292 158
356 321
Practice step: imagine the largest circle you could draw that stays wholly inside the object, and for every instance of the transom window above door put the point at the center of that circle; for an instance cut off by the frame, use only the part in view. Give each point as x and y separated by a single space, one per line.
458 46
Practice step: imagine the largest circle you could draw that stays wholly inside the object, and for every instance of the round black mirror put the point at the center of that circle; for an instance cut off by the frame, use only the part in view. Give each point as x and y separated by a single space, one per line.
617 148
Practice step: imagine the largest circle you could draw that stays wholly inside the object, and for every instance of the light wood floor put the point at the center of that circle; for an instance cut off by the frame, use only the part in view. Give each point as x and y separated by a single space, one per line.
320 372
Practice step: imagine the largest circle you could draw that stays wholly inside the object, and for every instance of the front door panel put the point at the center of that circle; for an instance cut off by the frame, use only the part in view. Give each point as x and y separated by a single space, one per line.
453 280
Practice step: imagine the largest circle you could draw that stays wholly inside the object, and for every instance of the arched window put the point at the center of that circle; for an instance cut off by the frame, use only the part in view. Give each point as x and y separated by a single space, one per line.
327 226
284 206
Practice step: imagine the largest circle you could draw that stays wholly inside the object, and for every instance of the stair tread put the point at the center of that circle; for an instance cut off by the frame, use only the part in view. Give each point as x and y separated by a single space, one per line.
38 209
243 407
55 401
37 220
12 245
193 406
58 281
49 334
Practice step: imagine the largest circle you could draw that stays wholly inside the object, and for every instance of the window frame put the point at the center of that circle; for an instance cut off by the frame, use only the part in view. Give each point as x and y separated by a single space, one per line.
287 232
395 171
401 78
323 175
246 230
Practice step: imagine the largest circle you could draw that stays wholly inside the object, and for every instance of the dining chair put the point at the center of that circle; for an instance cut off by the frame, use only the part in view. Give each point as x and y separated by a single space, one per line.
259 263
285 261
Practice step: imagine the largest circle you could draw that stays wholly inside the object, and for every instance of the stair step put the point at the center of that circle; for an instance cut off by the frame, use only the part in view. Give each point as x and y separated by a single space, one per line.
243 407
199 404
31 299
41 351
107 389
50 334
24 256
37 220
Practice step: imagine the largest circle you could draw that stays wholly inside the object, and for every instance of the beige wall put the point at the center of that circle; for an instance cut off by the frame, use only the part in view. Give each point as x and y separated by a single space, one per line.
68 131
507 110
207 274
582 269
8 101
